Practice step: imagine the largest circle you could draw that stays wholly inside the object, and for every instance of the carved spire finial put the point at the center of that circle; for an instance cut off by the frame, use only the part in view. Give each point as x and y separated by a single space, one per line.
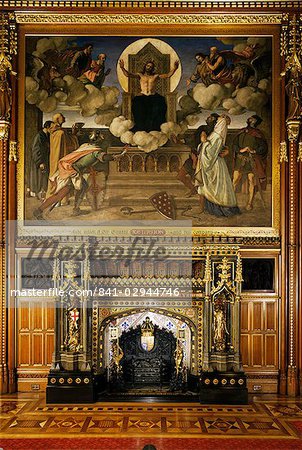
292 49
8 47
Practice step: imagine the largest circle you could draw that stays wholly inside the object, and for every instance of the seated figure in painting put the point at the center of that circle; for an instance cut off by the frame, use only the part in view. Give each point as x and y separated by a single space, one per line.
149 107
201 73
96 73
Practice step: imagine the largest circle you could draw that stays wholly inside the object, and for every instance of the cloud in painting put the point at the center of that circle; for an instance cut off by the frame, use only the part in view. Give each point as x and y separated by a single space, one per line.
211 97
106 117
92 101
146 141
72 92
120 125
53 43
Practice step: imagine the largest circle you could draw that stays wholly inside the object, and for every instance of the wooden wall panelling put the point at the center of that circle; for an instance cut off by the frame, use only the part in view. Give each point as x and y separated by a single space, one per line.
24 349
259 341
35 343
260 329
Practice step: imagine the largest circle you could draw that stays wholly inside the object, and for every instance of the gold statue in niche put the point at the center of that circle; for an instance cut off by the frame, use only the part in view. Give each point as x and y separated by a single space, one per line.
147 336
117 354
178 356
72 341
5 89
220 331
291 49
294 87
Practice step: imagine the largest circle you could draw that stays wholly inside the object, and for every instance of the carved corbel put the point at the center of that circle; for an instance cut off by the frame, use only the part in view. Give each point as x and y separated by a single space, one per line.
13 151
283 152
4 130
293 129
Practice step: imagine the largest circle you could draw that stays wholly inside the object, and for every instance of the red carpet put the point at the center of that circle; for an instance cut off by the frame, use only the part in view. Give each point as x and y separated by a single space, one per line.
160 444
298 426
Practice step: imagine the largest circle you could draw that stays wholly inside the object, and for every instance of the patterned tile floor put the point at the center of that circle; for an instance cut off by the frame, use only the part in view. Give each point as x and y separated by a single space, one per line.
27 415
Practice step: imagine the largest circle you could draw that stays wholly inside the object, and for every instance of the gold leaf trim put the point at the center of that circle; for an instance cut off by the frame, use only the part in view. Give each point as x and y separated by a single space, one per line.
238 277
299 157
152 4
256 19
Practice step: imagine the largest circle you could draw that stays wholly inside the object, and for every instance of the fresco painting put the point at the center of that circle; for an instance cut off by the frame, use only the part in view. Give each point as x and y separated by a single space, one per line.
149 127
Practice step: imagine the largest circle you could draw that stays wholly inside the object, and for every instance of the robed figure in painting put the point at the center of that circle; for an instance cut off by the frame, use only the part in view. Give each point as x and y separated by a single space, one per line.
250 152
96 74
61 143
212 175
39 170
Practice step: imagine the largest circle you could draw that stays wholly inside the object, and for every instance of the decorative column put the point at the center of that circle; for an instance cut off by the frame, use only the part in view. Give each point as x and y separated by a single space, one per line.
204 354
4 135
222 379
11 270
8 49
299 159
291 50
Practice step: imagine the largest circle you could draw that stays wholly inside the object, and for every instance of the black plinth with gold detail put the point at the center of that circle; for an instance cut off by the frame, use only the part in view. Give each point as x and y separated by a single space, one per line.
228 388
222 380
71 387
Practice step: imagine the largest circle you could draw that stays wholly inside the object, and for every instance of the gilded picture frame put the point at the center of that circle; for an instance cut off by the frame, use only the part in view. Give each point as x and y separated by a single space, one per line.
195 28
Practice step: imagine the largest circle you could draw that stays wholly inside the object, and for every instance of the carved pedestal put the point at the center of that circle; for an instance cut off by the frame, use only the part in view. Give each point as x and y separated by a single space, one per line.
222 380
71 378
70 387
223 388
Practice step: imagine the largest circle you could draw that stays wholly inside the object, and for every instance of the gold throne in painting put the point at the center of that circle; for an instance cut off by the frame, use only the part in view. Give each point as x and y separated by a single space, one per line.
162 65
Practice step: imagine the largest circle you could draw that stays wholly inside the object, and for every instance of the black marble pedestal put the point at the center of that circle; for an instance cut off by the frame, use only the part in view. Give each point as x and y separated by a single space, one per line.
71 387
223 388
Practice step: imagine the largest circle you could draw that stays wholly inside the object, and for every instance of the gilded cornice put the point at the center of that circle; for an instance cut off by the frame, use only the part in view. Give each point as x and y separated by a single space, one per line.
251 4
168 19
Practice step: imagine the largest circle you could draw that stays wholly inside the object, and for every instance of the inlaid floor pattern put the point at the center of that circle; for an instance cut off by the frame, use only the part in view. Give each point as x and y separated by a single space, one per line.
27 415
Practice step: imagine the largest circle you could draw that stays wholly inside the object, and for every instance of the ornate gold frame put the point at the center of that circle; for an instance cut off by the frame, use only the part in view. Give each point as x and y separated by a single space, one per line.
135 24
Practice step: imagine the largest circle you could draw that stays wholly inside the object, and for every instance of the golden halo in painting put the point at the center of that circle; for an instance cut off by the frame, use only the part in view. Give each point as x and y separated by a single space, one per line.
136 46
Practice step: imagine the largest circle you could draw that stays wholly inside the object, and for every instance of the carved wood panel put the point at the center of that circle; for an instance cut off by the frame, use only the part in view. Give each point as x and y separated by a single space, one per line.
259 333
259 342
35 334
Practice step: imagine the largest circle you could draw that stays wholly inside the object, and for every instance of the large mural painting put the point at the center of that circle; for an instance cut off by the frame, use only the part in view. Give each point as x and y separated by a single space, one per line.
149 128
